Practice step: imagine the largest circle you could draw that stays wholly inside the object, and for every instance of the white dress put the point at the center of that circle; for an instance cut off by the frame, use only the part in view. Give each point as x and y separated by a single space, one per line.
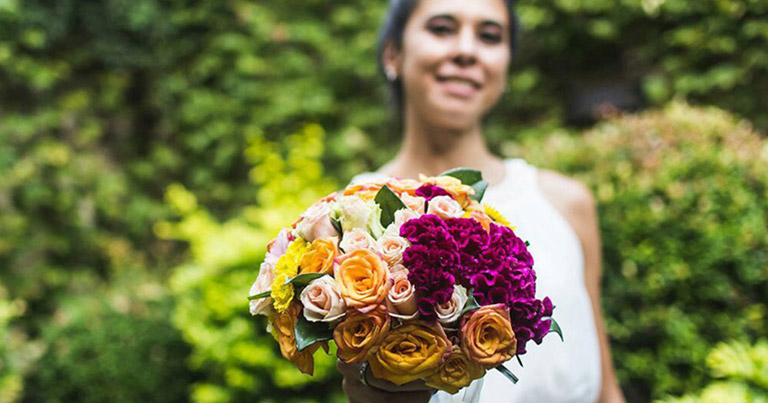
553 371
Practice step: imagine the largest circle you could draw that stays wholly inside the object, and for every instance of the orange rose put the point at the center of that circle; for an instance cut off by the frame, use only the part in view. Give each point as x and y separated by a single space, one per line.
460 192
359 332
413 351
320 257
283 331
363 279
366 191
487 337
456 372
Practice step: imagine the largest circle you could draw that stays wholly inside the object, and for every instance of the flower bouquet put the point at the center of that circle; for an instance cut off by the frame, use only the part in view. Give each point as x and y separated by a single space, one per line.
414 277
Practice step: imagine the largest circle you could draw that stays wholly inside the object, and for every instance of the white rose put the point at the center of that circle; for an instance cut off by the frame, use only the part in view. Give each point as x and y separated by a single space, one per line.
316 223
445 207
391 248
262 306
322 301
356 239
353 213
450 311
401 216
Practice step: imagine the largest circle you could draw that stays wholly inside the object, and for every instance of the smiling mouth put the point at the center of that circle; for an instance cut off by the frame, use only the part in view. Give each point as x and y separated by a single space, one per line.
458 80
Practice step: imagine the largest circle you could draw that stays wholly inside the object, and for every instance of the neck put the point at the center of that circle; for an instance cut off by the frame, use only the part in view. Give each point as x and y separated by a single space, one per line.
430 149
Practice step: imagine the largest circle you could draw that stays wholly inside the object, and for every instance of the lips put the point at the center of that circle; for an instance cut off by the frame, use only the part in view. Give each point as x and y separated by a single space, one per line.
459 79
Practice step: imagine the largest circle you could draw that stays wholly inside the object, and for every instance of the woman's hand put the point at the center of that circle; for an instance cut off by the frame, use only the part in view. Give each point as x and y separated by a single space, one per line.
379 390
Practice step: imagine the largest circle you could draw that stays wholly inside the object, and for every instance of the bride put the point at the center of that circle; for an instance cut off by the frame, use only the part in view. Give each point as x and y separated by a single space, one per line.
447 63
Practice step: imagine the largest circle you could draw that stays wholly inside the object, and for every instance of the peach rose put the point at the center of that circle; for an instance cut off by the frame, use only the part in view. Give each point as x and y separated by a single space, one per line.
359 332
401 300
415 203
366 191
320 257
316 223
278 246
413 351
356 239
401 186
445 207
391 248
321 300
450 311
363 279
396 268
263 283
487 337
283 331
482 218
456 372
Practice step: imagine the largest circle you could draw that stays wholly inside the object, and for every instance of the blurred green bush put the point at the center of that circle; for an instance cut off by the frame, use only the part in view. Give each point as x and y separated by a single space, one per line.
742 372
10 374
683 200
113 346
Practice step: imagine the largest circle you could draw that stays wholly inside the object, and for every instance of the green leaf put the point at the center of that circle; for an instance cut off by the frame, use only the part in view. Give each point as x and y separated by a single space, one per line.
389 203
336 225
480 188
501 368
308 333
471 304
264 294
467 176
554 327
470 177
303 279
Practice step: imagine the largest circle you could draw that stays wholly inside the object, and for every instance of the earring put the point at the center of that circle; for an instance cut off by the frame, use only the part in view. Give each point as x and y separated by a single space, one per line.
391 74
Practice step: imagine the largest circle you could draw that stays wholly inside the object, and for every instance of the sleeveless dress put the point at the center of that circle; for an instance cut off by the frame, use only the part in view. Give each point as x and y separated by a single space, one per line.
553 371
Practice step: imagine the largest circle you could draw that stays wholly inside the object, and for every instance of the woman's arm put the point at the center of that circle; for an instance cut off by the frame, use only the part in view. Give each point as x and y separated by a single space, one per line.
575 202
380 391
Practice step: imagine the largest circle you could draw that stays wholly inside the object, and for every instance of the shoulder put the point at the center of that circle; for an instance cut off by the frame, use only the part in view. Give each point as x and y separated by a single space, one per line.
570 197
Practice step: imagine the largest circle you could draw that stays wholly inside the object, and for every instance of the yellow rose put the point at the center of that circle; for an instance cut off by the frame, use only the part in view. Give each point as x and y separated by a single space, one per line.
363 279
283 331
413 351
320 257
456 372
359 332
487 337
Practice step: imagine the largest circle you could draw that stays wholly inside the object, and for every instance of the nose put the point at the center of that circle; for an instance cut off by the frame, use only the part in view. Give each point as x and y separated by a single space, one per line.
466 48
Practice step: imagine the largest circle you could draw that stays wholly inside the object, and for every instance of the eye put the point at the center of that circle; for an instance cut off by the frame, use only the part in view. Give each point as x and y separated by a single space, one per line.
491 38
440 29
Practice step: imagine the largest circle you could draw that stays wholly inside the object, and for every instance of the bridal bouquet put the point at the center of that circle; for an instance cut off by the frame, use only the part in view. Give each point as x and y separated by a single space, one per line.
416 278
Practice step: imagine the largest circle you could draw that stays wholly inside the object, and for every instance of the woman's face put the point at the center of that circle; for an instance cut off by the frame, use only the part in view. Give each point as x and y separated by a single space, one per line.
454 60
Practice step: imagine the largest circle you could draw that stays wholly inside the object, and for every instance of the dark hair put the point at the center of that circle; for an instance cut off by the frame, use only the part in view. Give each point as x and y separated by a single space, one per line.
398 14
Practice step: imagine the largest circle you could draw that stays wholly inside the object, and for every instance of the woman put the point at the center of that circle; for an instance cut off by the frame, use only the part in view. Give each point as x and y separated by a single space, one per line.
447 62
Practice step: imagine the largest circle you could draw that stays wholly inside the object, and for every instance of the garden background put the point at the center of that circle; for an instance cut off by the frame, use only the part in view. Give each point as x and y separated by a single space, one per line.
150 149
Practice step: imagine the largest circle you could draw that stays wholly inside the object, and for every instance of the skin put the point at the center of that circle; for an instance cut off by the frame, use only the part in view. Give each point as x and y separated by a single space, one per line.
444 130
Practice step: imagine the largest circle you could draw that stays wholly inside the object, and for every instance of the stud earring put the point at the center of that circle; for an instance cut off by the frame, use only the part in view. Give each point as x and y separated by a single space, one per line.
391 74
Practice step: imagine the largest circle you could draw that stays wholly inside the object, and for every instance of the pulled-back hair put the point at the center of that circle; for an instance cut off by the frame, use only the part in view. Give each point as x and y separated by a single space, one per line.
398 14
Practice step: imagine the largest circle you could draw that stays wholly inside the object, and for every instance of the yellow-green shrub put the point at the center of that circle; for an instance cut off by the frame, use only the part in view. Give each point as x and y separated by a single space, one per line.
238 357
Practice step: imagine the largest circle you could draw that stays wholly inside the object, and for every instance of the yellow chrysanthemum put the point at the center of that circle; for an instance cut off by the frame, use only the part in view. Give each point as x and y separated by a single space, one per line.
496 216
286 267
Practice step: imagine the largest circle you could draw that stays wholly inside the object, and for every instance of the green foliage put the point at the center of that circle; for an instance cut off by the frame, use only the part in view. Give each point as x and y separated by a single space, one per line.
10 376
742 372
113 346
234 351
683 200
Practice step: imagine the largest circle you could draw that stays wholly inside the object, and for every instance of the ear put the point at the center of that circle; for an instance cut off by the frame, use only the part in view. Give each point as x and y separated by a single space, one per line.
390 57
